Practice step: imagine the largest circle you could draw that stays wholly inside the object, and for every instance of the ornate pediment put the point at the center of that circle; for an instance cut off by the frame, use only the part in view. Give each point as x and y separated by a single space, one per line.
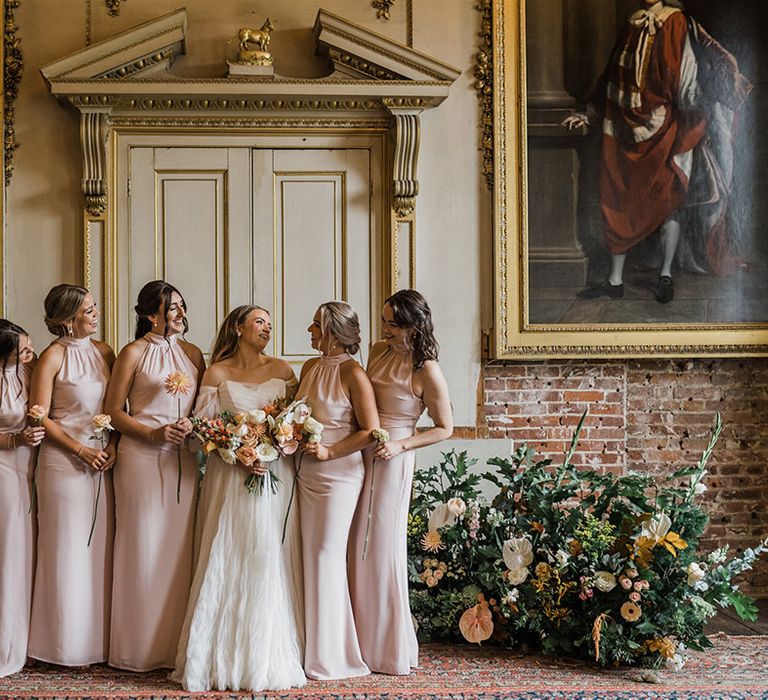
129 80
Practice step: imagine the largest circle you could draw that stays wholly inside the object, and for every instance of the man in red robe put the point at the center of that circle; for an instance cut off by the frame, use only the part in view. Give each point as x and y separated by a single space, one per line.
654 116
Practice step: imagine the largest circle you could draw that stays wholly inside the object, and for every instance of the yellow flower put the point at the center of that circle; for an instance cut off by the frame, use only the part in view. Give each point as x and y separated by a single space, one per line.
631 612
664 645
432 542
543 570
431 581
177 383
537 526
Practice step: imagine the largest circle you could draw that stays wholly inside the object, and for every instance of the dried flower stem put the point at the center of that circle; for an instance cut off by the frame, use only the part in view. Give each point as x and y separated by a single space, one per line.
290 500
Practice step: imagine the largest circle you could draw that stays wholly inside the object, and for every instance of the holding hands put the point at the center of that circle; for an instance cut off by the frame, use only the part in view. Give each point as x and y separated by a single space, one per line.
173 433
32 435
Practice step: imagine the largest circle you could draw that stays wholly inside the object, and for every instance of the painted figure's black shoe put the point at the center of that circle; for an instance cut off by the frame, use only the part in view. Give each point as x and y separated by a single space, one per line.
665 292
614 291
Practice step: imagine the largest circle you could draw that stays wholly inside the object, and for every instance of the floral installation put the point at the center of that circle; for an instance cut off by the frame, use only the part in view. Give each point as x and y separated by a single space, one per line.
102 427
178 384
36 414
380 436
295 427
570 560
244 438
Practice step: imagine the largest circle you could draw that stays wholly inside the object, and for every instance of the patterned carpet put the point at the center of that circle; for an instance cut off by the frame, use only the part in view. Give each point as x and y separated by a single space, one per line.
737 668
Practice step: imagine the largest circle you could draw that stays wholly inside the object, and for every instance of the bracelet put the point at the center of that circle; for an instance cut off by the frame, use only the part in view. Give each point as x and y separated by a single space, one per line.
11 441
80 451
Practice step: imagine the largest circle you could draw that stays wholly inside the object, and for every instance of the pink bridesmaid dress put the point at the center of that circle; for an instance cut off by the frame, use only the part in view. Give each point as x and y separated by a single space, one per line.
379 584
73 582
154 533
327 495
17 528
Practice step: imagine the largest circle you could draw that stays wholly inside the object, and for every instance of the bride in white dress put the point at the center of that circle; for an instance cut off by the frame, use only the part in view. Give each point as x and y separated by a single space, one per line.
244 627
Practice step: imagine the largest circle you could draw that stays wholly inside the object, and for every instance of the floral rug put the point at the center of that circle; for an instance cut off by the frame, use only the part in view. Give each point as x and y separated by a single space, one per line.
737 667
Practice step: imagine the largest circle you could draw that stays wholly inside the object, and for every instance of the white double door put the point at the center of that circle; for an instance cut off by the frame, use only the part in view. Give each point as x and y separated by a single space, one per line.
283 228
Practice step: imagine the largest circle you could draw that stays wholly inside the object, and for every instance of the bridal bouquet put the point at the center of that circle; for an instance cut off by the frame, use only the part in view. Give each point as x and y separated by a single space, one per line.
242 437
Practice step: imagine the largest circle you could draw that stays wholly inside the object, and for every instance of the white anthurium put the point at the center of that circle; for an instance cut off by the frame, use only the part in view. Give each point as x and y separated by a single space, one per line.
695 573
441 516
517 553
657 527
457 506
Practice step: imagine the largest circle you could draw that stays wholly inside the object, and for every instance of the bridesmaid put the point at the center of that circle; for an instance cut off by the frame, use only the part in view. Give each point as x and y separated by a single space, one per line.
73 581
17 461
406 377
153 537
329 484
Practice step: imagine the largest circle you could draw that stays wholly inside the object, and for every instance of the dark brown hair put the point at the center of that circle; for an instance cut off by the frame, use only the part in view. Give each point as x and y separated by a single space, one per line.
155 298
410 310
9 343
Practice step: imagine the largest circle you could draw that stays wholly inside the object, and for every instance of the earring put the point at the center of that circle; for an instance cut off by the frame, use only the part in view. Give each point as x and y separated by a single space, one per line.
70 332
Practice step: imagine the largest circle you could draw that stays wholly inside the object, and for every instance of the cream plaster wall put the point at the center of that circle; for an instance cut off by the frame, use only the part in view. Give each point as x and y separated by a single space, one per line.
453 224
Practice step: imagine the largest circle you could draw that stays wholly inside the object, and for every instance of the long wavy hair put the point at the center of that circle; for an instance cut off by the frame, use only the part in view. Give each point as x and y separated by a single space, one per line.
61 306
410 310
227 339
339 319
10 334
155 298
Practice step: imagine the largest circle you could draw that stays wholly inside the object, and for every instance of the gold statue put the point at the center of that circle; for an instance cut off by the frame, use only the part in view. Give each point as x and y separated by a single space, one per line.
259 38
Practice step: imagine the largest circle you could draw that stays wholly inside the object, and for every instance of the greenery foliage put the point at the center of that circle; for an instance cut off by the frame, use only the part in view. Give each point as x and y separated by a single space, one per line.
571 560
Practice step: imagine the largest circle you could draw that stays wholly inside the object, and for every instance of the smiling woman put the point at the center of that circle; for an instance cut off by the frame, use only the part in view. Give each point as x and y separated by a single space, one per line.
155 485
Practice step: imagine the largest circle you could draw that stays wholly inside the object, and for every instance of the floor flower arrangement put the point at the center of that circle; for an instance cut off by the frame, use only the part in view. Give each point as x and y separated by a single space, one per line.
574 561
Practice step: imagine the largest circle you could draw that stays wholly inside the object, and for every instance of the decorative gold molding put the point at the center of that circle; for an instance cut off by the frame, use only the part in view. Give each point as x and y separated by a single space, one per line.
382 8
139 64
360 66
94 131
405 186
113 7
201 123
484 86
629 351
13 67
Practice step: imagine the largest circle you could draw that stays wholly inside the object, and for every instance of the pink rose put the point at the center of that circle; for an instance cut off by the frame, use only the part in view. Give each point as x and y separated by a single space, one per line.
635 597
626 584
288 448
639 585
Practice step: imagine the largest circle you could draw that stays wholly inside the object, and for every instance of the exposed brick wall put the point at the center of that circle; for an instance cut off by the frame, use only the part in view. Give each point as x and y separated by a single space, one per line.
650 416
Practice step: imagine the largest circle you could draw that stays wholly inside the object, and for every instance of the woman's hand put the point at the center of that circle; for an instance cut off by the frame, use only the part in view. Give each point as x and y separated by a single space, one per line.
185 424
32 435
318 451
112 456
96 459
388 450
257 468
173 433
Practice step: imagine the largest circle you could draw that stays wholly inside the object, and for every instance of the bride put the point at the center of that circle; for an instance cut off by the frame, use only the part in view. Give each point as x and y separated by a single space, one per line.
244 627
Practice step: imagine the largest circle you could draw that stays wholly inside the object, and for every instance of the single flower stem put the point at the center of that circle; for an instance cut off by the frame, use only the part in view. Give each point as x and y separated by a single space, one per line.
96 505
33 495
290 500
370 508
178 456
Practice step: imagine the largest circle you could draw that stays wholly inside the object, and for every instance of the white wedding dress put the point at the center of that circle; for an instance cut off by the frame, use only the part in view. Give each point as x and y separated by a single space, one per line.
244 627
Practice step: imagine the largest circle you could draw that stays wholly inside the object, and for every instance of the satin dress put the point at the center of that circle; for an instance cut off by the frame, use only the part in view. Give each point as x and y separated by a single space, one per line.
379 584
244 628
17 523
328 493
154 533
73 582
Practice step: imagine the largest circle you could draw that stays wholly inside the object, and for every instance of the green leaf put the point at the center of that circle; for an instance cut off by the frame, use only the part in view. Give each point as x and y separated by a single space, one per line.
743 605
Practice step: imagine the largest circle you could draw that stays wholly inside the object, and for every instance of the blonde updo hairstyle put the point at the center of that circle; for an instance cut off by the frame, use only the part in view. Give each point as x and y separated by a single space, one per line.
61 306
339 319
228 338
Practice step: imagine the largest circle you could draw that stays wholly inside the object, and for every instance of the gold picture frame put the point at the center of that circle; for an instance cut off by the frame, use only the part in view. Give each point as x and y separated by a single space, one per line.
516 336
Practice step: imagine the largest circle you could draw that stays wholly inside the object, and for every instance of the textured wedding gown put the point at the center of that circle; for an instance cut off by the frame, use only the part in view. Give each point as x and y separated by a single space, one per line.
244 624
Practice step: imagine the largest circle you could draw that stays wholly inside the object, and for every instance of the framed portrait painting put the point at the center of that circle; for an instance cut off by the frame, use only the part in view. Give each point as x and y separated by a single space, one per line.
628 167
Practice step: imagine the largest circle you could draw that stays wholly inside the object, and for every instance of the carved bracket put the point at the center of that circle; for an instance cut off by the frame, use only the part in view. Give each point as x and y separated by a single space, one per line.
405 127
113 7
382 8
94 130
